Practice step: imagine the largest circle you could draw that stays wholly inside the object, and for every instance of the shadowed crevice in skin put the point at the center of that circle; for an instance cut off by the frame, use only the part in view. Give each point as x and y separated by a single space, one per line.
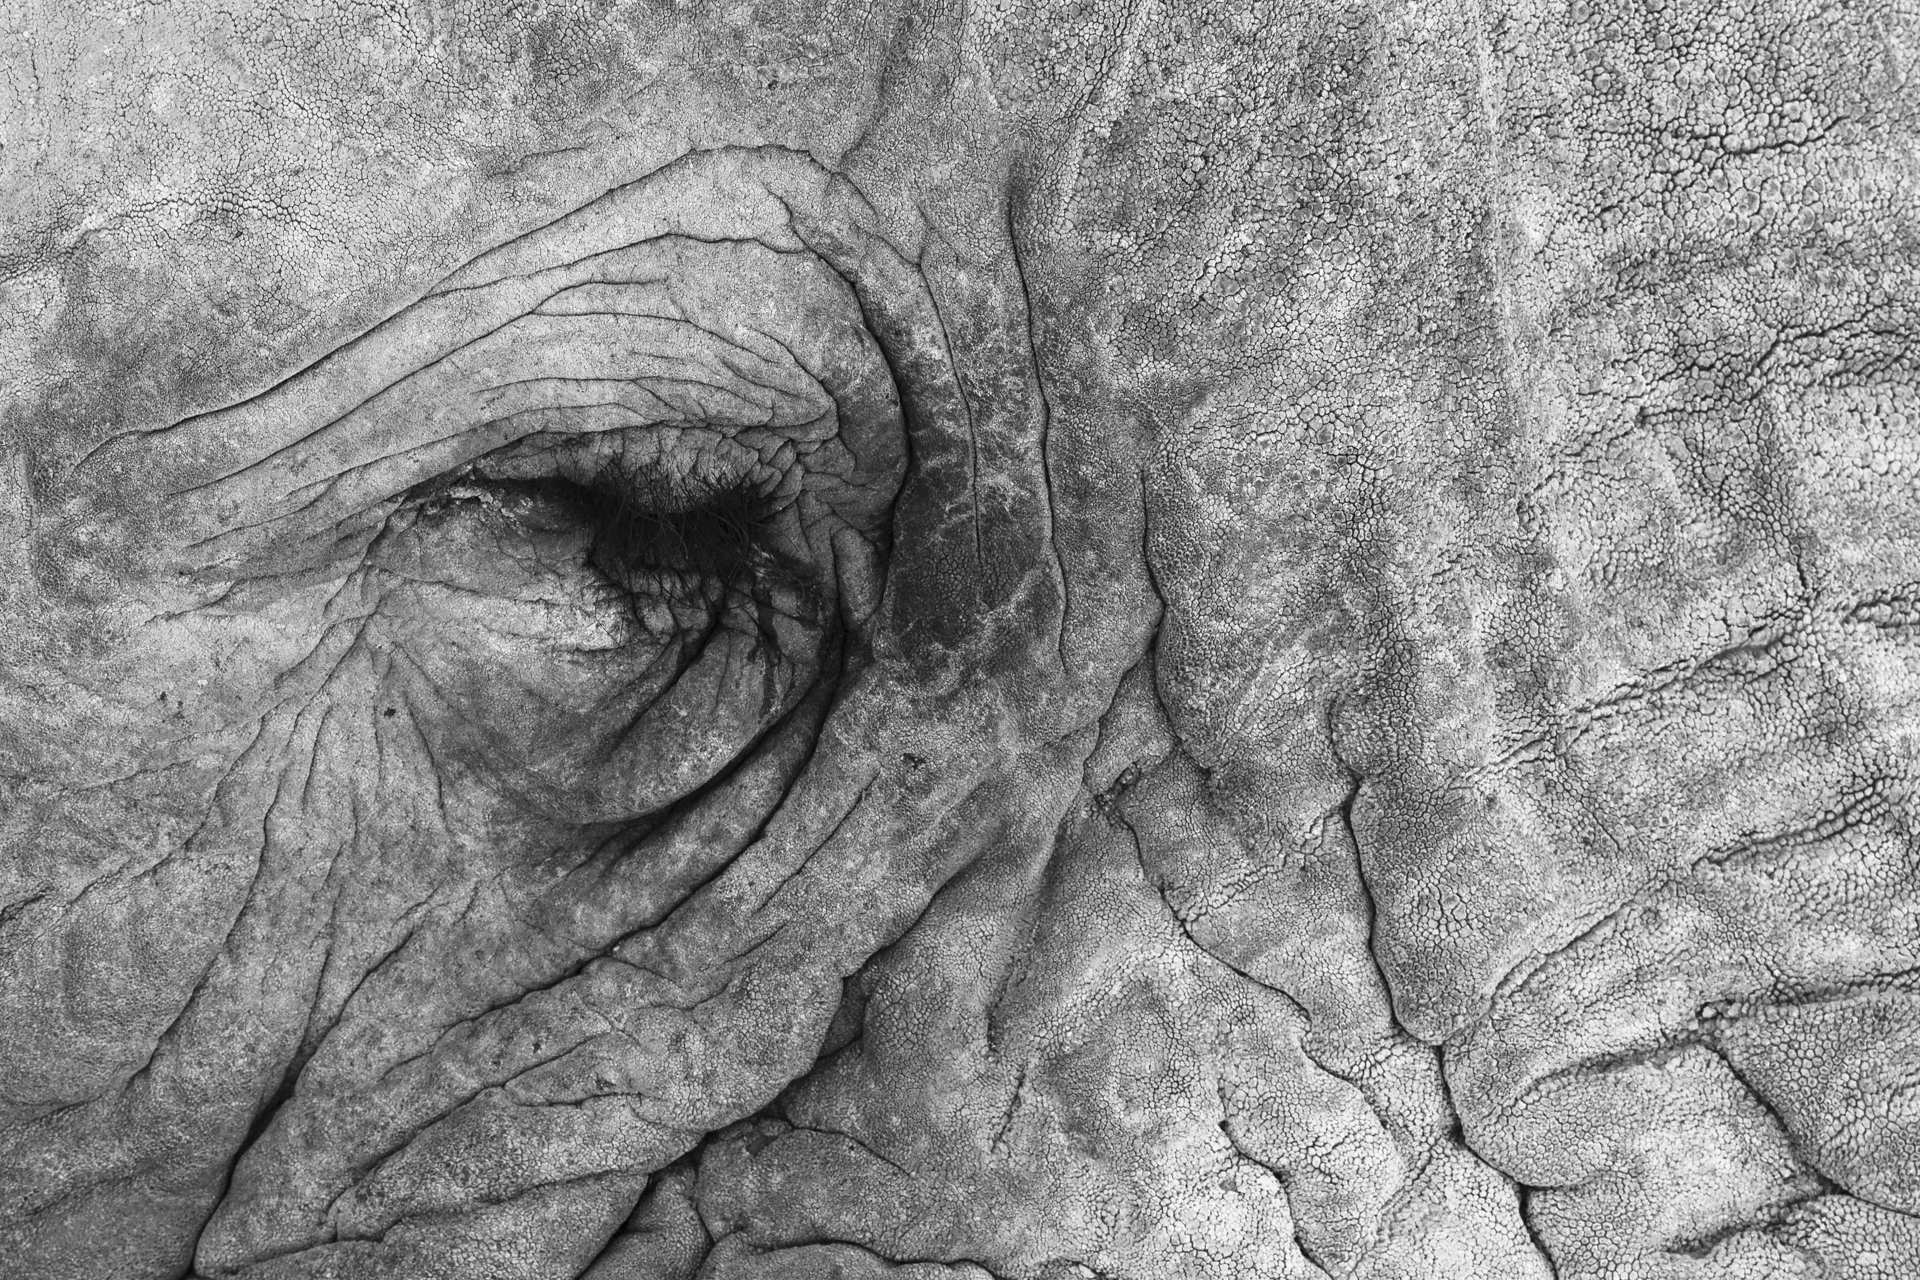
1526 1194
1702 1246
842 1258
663 1237
1356 782
1280 1176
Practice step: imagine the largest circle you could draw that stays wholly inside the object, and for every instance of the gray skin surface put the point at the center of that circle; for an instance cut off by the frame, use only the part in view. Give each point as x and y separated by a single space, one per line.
1328 687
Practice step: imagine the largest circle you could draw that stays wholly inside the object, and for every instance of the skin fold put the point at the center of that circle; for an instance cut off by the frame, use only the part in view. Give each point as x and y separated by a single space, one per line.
1154 641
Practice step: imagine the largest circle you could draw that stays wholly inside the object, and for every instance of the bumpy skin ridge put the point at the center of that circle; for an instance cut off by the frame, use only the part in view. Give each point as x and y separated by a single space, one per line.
985 642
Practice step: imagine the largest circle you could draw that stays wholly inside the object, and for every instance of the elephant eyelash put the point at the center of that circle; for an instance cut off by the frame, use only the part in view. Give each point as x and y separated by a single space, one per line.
641 528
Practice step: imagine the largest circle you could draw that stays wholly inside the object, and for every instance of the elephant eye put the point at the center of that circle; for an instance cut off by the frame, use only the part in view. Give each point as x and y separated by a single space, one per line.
655 532
640 532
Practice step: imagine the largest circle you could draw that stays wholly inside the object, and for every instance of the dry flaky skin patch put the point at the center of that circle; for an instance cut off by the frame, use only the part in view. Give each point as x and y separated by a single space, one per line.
1315 682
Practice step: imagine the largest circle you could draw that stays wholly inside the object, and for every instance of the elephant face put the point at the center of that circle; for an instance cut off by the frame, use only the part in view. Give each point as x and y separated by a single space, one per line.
1181 641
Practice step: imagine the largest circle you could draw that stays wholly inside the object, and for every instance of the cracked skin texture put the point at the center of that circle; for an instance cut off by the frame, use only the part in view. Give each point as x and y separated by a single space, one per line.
1323 689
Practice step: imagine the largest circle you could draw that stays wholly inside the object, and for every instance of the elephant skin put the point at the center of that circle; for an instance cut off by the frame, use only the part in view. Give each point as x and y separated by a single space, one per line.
1154 641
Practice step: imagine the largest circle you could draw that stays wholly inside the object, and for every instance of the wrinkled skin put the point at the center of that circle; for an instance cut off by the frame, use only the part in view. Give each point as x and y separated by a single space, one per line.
1177 641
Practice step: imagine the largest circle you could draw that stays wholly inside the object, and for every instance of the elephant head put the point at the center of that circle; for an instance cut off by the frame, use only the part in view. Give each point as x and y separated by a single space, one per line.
1190 640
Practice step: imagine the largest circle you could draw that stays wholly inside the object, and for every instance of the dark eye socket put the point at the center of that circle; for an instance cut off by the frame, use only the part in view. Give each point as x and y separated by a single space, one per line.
718 531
